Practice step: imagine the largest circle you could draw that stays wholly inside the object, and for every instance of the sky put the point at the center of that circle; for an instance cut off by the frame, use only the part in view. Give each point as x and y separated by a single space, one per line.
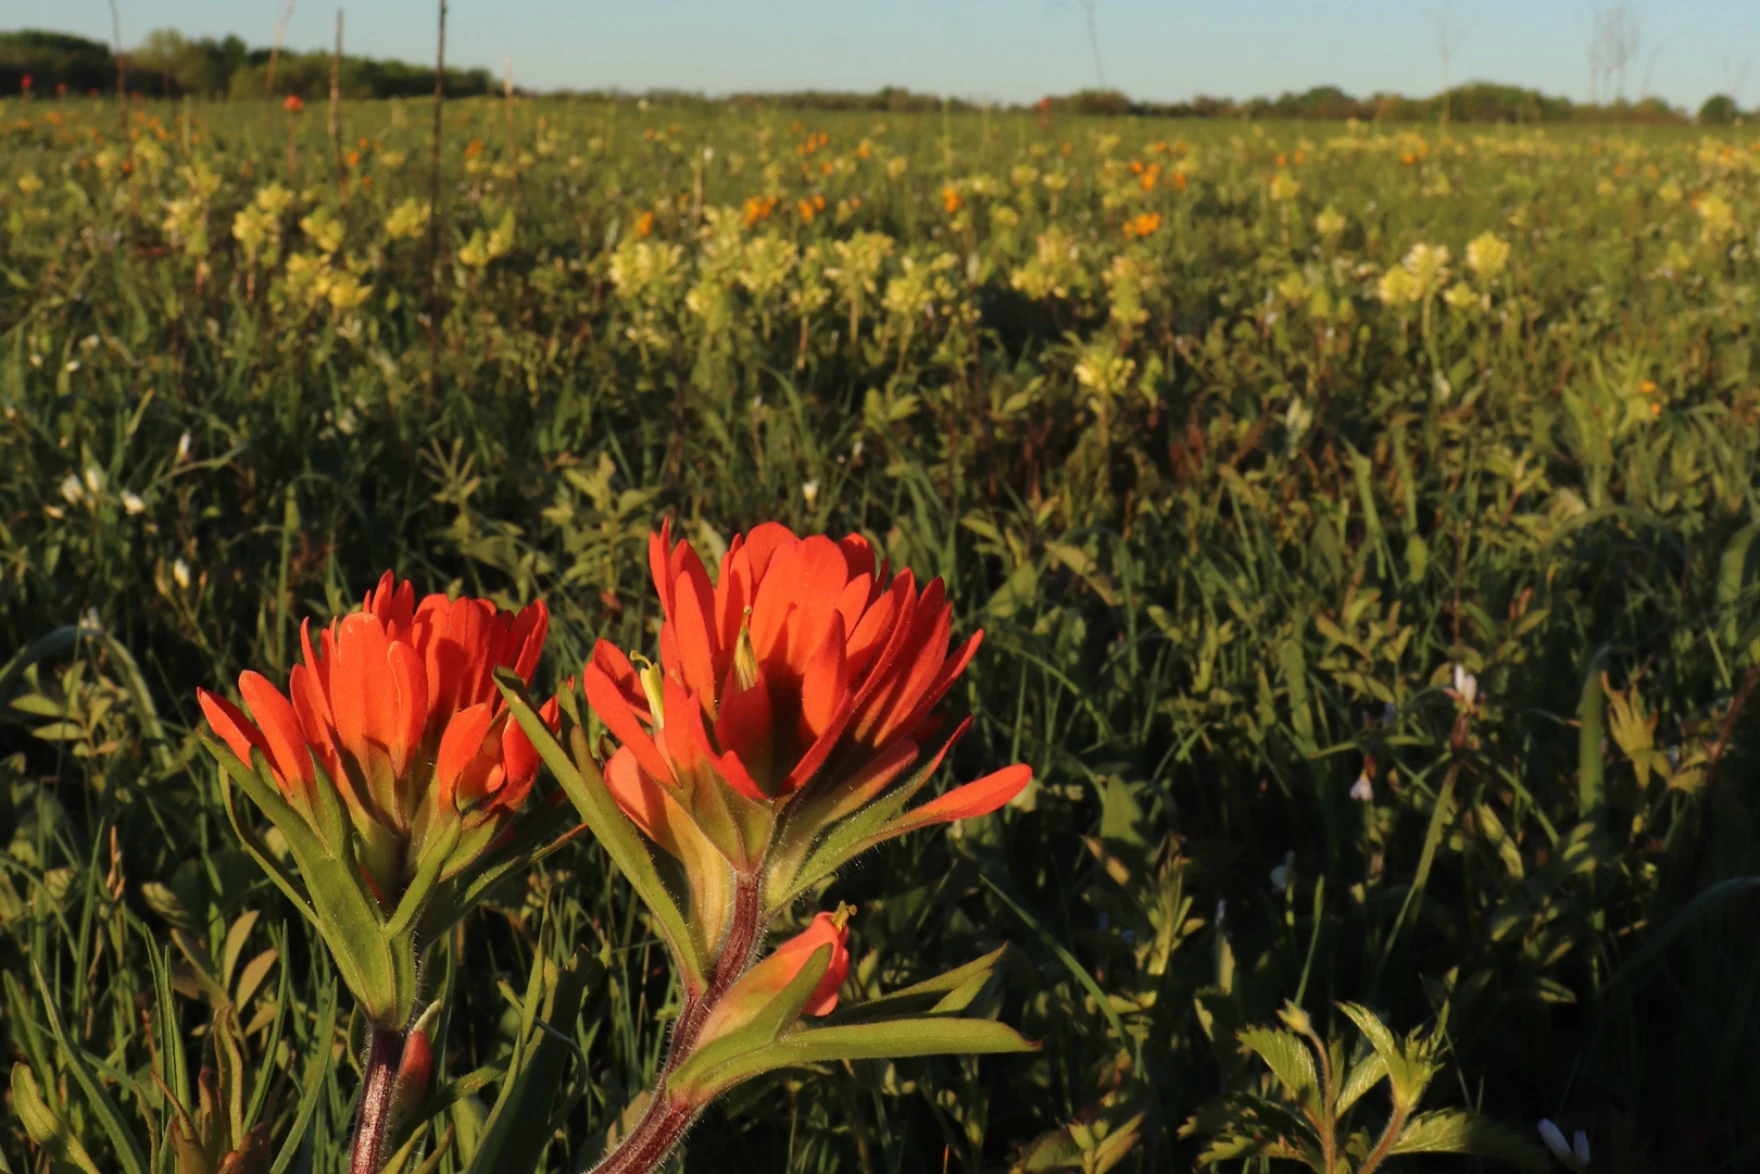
1003 50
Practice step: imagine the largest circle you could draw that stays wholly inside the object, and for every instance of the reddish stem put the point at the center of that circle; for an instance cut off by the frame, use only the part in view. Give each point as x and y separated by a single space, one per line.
660 1128
383 1052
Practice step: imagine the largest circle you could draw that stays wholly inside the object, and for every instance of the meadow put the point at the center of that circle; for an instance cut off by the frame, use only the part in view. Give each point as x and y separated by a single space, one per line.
1361 520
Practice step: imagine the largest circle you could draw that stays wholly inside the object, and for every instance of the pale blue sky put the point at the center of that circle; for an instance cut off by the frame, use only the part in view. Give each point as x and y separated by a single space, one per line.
1011 50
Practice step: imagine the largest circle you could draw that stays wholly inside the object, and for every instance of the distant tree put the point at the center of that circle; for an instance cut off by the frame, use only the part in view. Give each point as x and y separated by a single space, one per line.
1718 110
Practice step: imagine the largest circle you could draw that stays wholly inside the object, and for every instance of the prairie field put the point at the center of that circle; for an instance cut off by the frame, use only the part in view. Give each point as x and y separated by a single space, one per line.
1360 520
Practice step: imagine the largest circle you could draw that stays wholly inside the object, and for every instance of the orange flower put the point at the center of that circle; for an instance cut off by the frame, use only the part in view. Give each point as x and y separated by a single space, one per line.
645 224
806 210
807 677
1142 224
952 200
395 709
294 104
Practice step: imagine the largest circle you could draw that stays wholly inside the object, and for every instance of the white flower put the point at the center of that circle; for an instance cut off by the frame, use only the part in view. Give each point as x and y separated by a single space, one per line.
89 619
1285 872
183 447
1466 688
94 479
1362 790
131 501
810 491
180 572
72 489
855 450
708 154
1575 1157
72 366
1553 1136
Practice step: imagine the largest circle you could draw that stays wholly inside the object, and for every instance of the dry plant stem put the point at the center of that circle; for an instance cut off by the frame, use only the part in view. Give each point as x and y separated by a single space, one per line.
383 1052
666 1121
336 113
434 216
274 55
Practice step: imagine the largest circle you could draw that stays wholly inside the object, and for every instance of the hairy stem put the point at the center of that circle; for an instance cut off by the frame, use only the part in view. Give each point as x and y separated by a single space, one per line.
383 1052
666 1120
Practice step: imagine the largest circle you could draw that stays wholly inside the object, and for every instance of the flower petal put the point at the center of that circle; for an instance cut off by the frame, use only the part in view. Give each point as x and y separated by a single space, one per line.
975 798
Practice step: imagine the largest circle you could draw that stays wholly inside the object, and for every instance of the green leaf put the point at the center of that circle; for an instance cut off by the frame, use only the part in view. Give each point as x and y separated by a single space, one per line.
947 993
893 1039
623 841
42 1124
1289 1060
1364 1075
128 1154
1451 1131
695 1079
1592 719
313 1082
1732 575
525 1113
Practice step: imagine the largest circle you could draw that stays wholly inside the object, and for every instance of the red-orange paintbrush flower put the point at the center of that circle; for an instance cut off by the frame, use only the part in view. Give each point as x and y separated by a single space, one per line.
795 690
391 753
396 707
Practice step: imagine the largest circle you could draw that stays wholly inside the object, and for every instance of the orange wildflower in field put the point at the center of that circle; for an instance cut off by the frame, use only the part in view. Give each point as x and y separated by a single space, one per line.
293 104
951 200
645 224
395 711
1142 224
807 673
757 208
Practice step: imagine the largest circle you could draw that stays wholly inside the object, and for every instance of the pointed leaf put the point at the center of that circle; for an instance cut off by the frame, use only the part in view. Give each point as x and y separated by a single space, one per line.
313 1082
1289 1060
892 1039
945 993
623 841
42 1124
775 1017
1451 1131
128 1154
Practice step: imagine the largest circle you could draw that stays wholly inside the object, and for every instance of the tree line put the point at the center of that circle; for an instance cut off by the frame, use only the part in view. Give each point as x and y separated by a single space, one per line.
168 64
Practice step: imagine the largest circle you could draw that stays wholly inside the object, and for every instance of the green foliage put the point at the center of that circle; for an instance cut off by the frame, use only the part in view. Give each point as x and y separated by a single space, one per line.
1240 499
1308 1117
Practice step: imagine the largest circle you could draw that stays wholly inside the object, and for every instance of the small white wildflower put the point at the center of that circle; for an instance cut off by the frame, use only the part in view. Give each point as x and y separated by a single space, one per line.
94 479
183 447
810 491
1362 790
131 501
72 366
1284 873
89 619
708 154
180 572
72 489
36 360
855 450
1553 1136
1466 688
